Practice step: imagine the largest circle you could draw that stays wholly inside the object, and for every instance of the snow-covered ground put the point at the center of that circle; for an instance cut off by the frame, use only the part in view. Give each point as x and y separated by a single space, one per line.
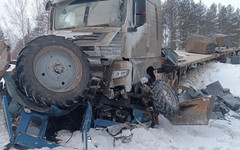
217 135
227 74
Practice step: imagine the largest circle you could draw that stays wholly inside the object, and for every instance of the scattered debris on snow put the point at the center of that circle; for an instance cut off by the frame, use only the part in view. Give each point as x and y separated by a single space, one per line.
218 134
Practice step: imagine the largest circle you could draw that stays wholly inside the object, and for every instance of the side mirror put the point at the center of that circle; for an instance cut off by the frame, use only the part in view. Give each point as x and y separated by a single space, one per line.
48 5
140 12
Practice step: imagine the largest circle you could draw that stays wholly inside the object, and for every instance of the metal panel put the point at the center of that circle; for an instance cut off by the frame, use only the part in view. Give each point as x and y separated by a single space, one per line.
92 38
104 35
4 105
4 58
112 51
152 10
195 112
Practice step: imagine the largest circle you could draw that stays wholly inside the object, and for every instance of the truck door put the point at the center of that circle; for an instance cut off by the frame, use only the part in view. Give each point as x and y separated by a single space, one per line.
152 21
147 45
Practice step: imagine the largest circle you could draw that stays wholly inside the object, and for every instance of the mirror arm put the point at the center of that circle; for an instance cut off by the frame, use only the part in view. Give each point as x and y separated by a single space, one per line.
48 5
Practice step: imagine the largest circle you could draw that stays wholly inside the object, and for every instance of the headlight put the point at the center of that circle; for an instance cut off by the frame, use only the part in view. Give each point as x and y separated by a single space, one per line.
119 74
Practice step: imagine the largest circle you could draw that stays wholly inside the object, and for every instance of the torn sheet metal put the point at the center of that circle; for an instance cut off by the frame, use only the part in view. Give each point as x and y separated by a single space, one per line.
195 112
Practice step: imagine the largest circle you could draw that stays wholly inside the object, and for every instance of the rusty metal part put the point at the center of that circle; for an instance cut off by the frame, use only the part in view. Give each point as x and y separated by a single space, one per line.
160 76
95 85
173 82
124 81
194 112
156 118
181 89
4 58
145 88
153 115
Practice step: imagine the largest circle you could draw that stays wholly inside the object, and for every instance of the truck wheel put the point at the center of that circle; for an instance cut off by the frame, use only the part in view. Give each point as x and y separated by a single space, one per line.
164 99
52 70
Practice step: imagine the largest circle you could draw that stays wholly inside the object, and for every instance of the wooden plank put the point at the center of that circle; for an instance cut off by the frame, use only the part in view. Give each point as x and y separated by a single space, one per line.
192 58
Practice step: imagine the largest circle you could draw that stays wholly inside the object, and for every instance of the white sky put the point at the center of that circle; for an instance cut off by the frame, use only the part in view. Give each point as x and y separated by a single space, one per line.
2 11
234 3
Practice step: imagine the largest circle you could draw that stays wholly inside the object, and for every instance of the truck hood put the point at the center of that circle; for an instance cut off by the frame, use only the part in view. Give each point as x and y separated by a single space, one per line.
90 36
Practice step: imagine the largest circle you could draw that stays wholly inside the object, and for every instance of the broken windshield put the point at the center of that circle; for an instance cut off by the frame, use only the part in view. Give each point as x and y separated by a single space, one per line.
80 13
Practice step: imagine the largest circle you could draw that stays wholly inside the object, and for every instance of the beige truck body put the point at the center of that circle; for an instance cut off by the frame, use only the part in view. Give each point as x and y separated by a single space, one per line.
125 47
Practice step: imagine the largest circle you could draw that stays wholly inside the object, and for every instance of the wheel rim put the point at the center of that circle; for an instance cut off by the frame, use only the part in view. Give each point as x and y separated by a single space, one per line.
57 69
170 98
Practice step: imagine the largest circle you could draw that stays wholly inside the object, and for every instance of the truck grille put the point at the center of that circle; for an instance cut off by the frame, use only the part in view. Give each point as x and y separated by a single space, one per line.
112 51
93 38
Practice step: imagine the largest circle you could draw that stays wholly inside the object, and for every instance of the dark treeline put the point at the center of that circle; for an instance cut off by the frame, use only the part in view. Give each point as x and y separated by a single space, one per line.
182 18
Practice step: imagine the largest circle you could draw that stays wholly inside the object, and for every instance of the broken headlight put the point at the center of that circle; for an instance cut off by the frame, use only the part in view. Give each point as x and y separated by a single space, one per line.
119 74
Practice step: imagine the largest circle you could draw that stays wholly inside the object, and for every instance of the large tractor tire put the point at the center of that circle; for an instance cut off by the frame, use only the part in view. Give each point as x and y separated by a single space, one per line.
164 99
52 70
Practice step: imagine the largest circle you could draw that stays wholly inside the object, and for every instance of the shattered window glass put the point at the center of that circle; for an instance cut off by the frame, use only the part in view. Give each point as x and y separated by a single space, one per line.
76 13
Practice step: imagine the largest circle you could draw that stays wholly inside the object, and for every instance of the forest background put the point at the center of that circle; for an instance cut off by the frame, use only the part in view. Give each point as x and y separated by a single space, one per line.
25 20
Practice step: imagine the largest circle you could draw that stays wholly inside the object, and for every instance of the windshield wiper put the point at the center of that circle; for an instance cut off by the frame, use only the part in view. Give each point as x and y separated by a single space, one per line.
63 28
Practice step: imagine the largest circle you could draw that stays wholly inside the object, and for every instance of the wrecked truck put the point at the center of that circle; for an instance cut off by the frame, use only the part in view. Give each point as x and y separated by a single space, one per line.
107 58
103 55
112 53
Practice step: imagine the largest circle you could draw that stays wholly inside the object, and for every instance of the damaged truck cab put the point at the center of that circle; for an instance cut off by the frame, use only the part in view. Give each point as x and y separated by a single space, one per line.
104 56
107 52
122 36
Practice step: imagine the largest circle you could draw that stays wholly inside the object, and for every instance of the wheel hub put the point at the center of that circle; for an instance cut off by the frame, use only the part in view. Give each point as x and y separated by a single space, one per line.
58 68
57 71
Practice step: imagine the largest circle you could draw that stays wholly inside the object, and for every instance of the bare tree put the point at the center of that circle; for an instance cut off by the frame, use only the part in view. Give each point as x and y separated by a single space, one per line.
17 19
24 24
211 24
40 18
185 17
170 17
3 38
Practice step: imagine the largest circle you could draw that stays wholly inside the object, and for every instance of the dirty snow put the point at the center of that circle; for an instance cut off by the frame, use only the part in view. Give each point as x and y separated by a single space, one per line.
217 135
227 74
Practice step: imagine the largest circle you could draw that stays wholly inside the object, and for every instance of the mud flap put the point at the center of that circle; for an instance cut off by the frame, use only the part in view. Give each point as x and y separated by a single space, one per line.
194 112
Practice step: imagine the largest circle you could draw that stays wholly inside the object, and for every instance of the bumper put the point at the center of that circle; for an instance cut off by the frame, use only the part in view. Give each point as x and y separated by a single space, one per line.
119 74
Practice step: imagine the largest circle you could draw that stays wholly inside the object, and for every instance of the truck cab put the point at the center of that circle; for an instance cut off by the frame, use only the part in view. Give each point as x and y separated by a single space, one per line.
107 52
122 35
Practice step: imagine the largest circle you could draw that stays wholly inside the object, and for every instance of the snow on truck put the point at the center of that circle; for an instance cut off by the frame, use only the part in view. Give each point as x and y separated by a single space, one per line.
106 54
